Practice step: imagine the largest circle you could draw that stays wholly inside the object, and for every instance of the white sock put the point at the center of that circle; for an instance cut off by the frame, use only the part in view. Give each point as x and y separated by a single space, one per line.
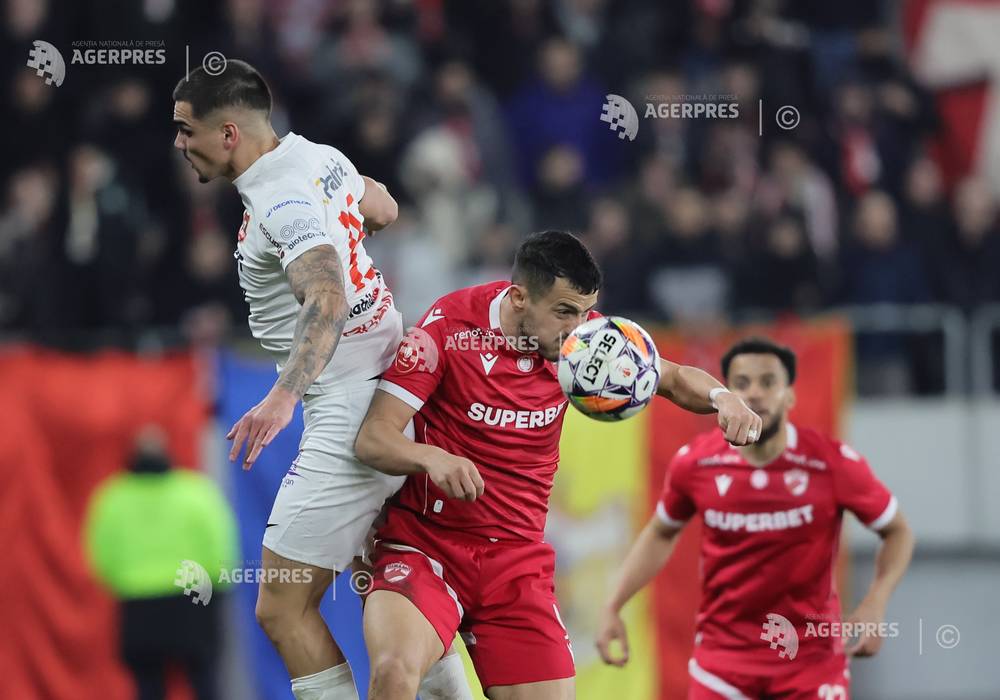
446 680
335 683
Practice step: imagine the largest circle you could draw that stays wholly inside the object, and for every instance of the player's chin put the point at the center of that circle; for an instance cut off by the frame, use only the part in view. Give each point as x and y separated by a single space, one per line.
550 354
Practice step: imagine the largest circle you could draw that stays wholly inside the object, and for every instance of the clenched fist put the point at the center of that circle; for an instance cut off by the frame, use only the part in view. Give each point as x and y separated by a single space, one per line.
740 425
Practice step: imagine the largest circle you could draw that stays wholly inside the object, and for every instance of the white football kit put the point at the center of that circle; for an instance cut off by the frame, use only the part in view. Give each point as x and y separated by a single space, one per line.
299 196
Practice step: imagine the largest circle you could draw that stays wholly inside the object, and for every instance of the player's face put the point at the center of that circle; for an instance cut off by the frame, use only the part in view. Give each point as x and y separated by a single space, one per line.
547 320
202 144
762 382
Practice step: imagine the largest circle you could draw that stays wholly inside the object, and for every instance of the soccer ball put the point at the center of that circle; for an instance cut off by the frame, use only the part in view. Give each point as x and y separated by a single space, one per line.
609 368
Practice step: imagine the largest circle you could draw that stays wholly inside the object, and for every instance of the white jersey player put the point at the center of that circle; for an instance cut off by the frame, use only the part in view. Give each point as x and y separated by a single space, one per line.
322 310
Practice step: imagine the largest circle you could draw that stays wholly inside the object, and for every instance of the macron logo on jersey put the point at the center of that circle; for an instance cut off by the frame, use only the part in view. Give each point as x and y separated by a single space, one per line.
521 420
434 315
759 522
488 359
723 482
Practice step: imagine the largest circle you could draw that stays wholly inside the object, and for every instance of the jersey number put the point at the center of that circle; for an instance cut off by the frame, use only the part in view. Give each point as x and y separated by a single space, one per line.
355 234
831 691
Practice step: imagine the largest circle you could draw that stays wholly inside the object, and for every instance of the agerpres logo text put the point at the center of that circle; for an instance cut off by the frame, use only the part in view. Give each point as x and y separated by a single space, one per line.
782 636
48 61
623 119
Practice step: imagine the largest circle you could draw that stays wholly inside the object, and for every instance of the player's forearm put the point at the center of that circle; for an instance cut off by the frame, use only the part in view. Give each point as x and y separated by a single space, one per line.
648 555
688 387
891 562
382 447
377 206
317 332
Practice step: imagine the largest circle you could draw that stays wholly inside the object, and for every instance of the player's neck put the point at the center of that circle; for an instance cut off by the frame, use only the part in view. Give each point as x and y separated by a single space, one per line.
253 150
760 454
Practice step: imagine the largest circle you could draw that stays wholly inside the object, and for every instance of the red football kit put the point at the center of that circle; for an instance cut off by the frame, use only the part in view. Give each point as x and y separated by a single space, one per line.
769 542
481 568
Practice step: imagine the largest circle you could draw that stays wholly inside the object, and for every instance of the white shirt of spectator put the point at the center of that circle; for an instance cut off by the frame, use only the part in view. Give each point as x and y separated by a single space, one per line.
296 197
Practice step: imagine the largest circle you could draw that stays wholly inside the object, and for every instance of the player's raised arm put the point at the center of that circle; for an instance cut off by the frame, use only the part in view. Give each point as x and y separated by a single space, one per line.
644 560
697 391
377 205
383 445
317 281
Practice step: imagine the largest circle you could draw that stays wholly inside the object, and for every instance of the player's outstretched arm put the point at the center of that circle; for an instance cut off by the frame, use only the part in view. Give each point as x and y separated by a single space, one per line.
647 556
890 564
382 445
377 206
317 281
698 391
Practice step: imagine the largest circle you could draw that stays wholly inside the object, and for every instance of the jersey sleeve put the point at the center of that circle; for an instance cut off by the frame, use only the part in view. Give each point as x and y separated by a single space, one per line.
420 364
292 225
858 490
675 506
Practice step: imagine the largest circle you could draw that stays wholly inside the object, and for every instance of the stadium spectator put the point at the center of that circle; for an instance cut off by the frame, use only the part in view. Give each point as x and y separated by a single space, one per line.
140 526
781 274
559 108
881 268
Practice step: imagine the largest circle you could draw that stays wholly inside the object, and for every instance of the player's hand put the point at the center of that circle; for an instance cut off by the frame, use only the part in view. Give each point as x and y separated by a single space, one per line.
260 424
610 630
740 425
870 615
456 476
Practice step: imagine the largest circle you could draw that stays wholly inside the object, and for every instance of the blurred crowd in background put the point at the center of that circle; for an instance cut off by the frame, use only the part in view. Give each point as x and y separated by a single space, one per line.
482 119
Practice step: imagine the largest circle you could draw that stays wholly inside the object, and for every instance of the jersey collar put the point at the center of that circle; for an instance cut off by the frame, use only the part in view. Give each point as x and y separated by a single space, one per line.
247 177
495 308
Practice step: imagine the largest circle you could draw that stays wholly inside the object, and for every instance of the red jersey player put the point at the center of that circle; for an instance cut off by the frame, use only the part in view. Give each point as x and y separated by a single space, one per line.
769 624
462 548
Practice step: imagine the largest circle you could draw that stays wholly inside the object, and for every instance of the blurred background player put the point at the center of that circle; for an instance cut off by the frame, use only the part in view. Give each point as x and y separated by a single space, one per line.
462 548
139 526
320 307
772 514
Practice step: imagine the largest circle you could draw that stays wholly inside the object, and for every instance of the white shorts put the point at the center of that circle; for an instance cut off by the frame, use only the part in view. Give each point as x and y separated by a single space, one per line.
328 499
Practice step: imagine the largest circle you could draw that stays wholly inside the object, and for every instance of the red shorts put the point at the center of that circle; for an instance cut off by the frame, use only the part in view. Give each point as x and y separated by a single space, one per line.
499 595
829 680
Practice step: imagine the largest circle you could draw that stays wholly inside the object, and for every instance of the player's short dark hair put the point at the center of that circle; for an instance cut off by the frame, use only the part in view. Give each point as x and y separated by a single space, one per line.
542 257
239 85
760 346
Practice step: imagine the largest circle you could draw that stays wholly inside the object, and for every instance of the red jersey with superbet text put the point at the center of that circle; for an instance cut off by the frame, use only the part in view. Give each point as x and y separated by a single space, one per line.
478 397
768 546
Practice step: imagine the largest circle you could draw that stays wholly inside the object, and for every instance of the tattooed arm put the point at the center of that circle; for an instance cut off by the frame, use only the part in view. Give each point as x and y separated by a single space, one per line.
318 283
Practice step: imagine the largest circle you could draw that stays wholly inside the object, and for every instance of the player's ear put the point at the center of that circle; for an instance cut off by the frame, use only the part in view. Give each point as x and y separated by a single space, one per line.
791 397
518 296
230 135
